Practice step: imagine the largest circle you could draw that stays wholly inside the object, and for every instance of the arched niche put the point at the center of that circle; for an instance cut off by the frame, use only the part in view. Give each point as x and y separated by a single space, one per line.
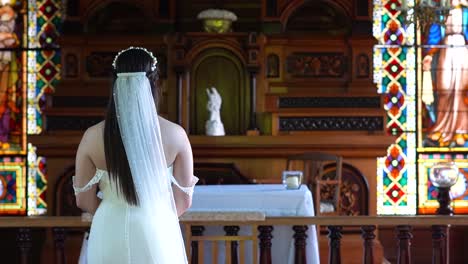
323 17
354 189
222 69
118 17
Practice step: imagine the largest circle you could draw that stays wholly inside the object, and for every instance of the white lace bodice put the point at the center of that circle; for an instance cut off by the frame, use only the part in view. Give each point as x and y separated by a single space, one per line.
108 192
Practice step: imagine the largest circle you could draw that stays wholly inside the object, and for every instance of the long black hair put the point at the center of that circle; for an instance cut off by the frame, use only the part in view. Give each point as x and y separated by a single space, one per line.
132 60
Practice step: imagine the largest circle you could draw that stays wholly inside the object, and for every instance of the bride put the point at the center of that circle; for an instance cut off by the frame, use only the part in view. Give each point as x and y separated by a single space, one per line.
143 166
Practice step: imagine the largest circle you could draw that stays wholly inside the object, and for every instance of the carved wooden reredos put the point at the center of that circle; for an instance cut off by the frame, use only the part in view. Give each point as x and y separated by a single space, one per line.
298 72
278 50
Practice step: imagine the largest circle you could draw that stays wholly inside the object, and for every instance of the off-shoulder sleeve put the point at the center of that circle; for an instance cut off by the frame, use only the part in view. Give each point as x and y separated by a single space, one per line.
97 177
188 190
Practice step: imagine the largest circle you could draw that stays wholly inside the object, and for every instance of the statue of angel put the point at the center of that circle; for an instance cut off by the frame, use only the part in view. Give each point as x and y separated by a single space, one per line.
214 126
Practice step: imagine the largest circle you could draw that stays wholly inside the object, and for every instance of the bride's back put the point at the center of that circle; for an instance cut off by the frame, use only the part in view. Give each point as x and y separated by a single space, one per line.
171 136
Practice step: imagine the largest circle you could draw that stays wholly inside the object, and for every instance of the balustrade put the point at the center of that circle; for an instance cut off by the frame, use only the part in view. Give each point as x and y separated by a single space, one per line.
263 232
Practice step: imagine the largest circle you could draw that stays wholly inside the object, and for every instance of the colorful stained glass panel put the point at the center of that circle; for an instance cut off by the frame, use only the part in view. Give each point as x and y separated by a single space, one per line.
12 186
37 183
12 92
29 69
428 193
395 77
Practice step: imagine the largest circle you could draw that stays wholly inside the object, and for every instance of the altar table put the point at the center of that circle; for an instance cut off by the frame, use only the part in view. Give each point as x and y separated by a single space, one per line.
270 199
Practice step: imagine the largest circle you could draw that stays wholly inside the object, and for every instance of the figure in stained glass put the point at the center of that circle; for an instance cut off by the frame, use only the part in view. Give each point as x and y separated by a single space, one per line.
8 71
445 80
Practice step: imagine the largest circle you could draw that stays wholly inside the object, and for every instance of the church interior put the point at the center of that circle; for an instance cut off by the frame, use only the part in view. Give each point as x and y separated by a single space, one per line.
341 124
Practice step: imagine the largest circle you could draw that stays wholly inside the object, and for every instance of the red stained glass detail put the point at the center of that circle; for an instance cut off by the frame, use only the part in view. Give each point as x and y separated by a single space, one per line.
395 193
394 68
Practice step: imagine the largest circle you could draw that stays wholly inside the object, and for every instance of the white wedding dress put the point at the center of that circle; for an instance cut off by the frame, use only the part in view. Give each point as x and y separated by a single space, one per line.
117 229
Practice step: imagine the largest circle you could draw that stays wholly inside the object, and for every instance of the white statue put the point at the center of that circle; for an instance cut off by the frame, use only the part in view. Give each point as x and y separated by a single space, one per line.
214 126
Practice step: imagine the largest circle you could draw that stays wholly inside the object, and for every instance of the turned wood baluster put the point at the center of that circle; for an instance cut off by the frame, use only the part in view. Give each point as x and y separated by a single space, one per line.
368 237
404 244
265 237
59 239
24 240
334 237
438 244
196 231
233 231
300 238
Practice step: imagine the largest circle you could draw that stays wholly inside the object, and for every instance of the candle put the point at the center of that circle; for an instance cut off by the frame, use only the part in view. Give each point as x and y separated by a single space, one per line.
292 182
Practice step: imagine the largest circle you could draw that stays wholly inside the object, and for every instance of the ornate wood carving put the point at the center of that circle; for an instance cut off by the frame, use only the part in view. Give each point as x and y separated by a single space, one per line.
334 237
316 65
71 65
99 64
362 66
404 244
368 236
272 66
265 237
300 241
337 123
329 102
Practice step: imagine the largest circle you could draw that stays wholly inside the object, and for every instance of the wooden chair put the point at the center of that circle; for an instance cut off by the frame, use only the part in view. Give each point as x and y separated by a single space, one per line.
195 241
326 186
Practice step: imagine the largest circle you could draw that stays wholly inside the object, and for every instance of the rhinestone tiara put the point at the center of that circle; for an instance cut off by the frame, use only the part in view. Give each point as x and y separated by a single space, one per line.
153 66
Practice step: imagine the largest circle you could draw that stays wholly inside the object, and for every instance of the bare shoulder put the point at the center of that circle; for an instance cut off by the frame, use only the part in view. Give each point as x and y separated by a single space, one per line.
172 132
95 130
93 134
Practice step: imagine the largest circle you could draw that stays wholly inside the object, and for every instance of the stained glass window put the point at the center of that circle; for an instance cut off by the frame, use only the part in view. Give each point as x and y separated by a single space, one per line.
395 77
443 106
426 107
29 70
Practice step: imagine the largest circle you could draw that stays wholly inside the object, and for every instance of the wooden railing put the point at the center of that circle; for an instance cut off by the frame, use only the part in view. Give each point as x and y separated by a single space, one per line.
403 225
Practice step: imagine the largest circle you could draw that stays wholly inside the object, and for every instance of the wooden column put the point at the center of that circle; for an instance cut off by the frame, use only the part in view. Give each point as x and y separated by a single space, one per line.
233 231
404 244
196 231
253 70
300 241
265 237
334 237
179 70
368 237
24 240
59 241
439 236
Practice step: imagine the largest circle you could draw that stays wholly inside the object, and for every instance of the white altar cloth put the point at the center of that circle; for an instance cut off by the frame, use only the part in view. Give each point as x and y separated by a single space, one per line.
270 199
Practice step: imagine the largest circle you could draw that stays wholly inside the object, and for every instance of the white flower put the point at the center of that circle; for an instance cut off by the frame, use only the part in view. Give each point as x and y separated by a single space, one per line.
217 14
